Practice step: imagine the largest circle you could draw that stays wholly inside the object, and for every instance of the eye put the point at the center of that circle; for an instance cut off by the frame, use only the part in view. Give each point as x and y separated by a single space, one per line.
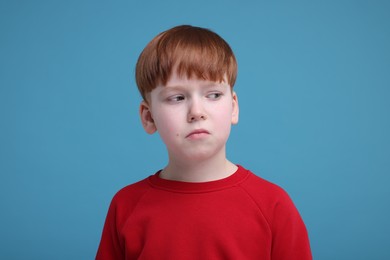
214 95
176 98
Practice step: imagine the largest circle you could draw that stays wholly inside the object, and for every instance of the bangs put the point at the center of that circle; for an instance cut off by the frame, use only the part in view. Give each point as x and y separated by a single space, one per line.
191 52
197 55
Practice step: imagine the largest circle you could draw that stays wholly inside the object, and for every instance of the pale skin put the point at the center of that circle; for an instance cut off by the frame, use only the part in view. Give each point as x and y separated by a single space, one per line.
194 118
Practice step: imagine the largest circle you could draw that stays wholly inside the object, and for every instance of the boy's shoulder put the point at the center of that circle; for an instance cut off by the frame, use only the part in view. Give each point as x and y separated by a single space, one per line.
126 199
258 185
132 192
271 199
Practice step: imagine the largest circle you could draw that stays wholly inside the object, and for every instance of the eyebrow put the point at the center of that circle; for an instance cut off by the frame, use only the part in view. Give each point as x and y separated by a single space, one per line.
167 89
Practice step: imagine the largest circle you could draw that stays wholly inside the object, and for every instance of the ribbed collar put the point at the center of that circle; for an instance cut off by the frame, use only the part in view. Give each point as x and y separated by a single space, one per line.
199 187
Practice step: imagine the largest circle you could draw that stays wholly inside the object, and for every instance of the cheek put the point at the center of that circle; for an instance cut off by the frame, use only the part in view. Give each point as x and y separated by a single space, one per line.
170 136
223 123
167 126
223 114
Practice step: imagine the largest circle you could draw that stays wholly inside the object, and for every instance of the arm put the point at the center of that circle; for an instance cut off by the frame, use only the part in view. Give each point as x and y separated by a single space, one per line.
110 247
290 239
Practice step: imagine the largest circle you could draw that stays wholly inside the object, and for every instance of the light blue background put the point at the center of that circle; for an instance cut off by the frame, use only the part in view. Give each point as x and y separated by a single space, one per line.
313 87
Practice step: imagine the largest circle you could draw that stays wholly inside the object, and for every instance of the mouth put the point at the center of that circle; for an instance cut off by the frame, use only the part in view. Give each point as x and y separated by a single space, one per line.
198 133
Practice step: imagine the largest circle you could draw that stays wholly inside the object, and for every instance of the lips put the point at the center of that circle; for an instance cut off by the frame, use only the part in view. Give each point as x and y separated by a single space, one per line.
197 133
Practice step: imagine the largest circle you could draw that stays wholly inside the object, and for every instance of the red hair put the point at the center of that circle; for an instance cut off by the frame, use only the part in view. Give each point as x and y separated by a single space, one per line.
191 51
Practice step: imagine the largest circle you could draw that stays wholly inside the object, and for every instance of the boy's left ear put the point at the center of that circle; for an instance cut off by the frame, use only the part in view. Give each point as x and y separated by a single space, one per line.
236 110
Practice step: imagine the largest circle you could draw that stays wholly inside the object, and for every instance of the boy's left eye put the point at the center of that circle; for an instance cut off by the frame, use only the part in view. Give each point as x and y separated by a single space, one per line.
215 95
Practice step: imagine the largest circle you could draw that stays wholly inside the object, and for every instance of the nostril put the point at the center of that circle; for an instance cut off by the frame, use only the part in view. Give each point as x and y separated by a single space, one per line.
192 118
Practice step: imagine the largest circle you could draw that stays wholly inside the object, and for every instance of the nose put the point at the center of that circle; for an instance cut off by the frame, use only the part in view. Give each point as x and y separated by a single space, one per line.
196 111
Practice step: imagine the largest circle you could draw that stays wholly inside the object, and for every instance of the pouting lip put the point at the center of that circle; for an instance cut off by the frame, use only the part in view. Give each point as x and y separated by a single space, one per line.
198 131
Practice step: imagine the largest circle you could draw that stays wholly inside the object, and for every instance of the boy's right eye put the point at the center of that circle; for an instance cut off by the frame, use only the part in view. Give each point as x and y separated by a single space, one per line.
176 98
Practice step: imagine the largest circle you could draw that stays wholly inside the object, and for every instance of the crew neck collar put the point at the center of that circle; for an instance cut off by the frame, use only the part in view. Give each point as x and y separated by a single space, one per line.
198 187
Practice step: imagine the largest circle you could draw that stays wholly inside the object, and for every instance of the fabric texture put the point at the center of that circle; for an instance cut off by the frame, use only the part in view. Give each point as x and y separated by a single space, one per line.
240 217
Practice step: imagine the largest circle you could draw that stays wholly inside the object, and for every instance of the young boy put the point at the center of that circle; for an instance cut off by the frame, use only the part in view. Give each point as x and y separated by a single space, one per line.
200 206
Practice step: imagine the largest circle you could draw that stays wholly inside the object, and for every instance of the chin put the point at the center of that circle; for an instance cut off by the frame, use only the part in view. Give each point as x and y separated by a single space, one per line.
201 155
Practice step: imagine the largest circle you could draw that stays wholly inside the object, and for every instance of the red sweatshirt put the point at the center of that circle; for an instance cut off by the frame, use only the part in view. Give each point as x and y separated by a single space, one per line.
240 217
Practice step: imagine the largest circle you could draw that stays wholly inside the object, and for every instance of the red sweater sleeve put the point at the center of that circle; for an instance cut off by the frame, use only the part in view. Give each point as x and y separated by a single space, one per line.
112 244
290 239
110 247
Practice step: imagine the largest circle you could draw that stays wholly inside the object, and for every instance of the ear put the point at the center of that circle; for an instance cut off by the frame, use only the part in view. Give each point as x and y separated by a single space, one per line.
146 118
236 110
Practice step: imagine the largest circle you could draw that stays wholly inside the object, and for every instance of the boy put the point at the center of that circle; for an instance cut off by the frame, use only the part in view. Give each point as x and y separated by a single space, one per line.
200 206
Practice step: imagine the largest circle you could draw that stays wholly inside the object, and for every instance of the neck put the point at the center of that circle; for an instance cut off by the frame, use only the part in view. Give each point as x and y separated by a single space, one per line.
198 171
